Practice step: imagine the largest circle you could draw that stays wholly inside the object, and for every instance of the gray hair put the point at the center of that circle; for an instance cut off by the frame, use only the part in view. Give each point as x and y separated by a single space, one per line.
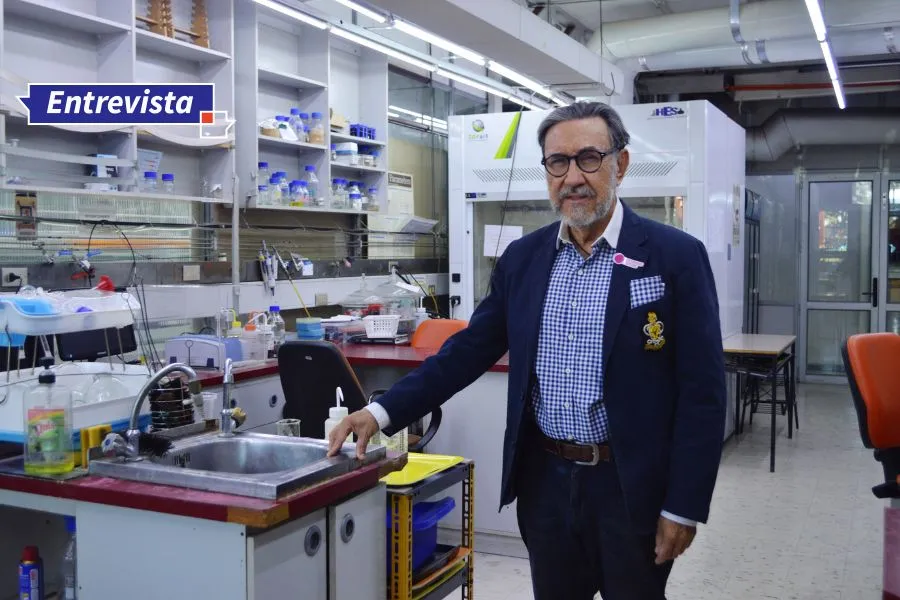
587 110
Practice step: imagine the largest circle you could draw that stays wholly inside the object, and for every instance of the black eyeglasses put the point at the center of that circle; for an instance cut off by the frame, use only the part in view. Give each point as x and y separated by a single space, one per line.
589 160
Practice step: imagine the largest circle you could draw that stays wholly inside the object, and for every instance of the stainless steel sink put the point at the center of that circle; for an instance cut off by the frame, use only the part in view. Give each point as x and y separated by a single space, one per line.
247 464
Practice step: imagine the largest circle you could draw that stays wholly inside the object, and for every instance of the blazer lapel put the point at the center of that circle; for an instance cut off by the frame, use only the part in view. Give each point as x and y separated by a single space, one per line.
631 245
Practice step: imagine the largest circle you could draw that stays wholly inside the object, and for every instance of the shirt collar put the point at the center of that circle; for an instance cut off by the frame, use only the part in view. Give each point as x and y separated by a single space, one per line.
610 234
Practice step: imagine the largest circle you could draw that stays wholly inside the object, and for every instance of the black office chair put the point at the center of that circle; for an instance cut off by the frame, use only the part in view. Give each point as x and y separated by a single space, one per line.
310 372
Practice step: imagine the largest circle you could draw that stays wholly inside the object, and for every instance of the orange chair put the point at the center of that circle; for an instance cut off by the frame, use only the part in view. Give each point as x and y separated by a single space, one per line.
433 333
872 362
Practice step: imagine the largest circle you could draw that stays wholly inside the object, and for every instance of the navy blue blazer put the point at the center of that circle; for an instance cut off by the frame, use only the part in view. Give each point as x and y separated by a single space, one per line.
666 407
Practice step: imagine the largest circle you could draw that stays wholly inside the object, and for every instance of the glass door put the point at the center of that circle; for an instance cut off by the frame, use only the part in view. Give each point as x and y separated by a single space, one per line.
841 264
889 317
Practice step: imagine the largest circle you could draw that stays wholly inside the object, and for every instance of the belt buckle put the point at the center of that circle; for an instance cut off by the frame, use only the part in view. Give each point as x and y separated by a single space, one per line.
595 454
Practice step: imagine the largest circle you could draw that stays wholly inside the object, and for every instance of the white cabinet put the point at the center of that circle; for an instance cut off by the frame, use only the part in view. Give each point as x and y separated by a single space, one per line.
289 562
357 555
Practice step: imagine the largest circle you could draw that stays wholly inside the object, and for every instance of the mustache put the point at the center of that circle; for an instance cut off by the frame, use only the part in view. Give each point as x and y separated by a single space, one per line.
576 190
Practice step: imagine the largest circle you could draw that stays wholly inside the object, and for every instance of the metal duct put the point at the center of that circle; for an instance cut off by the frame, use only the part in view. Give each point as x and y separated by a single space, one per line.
847 44
765 20
788 129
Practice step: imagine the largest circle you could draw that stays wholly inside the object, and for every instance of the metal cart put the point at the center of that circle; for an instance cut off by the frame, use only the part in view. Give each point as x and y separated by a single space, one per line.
401 501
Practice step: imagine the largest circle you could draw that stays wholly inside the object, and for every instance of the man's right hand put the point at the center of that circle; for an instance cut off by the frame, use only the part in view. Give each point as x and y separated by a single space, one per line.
362 423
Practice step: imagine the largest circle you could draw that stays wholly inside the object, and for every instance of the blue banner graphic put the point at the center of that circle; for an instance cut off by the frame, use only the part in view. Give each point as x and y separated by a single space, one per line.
119 103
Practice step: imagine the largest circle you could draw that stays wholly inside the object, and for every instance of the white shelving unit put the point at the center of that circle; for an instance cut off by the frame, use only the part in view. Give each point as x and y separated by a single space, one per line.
283 64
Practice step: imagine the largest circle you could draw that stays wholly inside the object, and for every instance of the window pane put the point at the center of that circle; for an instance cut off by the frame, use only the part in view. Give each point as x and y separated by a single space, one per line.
840 241
826 332
894 242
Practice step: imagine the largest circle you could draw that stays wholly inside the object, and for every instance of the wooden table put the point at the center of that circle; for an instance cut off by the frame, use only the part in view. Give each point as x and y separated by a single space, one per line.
767 355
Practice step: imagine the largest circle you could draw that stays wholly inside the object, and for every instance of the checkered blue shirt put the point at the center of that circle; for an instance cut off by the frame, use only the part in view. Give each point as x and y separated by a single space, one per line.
567 400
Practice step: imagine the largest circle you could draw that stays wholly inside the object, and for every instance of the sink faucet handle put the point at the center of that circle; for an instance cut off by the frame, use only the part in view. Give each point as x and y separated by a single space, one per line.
238 416
114 445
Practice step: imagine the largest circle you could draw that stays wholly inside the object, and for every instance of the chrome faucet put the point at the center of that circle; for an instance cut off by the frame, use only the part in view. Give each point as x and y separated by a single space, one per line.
226 422
129 447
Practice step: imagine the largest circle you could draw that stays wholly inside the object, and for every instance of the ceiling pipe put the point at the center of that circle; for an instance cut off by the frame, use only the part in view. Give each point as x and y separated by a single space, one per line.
788 129
765 20
847 44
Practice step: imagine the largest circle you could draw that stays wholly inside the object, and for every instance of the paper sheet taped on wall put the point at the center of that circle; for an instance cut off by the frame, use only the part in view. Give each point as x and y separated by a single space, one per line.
498 237
892 549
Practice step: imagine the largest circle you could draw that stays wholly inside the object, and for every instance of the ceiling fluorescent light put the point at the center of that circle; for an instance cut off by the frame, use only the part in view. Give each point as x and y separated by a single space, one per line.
294 14
531 84
357 39
818 21
838 93
363 10
829 60
392 115
440 42
524 103
472 83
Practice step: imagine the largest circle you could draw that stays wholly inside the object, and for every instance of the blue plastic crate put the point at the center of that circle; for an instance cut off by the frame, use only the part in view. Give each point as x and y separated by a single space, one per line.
426 516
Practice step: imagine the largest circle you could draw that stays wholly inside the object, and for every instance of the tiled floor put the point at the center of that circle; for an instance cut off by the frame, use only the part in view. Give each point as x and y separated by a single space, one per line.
810 531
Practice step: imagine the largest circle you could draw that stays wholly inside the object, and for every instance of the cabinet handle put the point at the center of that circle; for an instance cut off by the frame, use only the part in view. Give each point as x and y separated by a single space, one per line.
348 526
313 540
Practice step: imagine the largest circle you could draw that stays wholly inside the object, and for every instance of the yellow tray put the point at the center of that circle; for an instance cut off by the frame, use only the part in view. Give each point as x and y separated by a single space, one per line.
419 467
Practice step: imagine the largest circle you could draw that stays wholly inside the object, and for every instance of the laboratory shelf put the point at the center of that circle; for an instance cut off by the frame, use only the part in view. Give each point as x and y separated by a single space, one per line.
267 140
315 209
58 16
400 502
288 79
448 587
359 168
343 137
153 42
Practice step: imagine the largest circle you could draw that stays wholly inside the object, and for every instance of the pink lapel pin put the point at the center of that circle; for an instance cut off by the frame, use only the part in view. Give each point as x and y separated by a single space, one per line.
621 259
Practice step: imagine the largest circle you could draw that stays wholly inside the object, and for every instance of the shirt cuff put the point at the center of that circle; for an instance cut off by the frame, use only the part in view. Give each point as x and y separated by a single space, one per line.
381 415
673 518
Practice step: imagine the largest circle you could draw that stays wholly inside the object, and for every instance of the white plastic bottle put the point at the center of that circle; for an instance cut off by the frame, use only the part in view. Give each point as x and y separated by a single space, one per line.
336 414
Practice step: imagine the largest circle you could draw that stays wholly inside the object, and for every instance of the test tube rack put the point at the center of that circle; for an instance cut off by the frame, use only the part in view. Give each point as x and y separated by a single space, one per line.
159 20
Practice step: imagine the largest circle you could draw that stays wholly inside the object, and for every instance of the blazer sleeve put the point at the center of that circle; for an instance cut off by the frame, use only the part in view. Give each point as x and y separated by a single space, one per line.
699 418
462 359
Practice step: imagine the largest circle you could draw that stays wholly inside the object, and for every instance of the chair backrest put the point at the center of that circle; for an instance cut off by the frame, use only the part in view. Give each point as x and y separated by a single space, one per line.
310 372
872 362
433 333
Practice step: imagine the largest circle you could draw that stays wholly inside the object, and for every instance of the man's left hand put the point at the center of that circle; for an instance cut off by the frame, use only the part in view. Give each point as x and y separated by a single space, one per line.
672 539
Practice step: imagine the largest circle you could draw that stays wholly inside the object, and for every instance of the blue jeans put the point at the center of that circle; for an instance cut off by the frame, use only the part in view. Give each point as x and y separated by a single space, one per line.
578 534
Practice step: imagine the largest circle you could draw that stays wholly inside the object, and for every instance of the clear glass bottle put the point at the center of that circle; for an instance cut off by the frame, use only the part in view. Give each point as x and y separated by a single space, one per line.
334 153
149 185
47 410
373 199
276 322
312 186
274 191
262 172
168 183
353 187
303 194
336 192
285 189
317 129
69 564
355 202
304 118
262 195
296 123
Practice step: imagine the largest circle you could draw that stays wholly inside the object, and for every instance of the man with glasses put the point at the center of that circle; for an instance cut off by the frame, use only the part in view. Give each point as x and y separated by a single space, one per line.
616 407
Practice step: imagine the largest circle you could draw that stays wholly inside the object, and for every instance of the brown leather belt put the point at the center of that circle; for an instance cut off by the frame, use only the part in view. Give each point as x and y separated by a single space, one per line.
582 454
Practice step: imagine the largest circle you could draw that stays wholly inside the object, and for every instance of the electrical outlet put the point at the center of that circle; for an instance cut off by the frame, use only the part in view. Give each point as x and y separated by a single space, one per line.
15 271
431 290
190 273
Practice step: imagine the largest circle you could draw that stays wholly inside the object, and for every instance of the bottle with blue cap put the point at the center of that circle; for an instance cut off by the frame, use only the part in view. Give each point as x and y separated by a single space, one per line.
150 182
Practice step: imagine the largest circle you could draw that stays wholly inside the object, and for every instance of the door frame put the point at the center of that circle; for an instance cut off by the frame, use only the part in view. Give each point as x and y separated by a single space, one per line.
876 258
883 245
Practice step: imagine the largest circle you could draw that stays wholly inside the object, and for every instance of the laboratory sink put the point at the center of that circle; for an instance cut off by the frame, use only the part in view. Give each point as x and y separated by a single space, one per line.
246 464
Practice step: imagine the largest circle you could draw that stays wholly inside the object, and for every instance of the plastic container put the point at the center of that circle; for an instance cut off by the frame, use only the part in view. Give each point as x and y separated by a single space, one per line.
317 129
31 575
425 518
421 316
310 329
381 326
69 564
149 184
48 425
336 414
